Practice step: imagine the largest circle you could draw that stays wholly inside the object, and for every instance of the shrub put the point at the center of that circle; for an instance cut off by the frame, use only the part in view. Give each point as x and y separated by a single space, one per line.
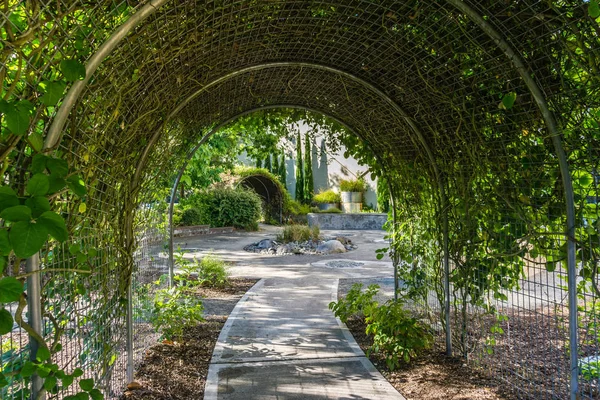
299 233
174 311
396 336
355 302
328 196
332 210
212 271
353 185
296 208
190 217
240 207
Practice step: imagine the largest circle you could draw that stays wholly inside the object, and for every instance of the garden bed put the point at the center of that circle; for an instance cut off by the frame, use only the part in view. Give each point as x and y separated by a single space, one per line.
432 375
178 370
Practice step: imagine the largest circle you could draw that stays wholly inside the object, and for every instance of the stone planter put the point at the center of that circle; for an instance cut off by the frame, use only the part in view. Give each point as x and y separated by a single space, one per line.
327 206
351 197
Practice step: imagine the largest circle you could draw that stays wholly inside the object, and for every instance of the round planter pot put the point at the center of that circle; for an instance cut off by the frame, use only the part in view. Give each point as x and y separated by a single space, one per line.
351 197
327 206
349 208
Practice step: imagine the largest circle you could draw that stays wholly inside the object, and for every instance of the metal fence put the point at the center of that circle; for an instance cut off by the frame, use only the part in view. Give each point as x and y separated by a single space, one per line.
484 115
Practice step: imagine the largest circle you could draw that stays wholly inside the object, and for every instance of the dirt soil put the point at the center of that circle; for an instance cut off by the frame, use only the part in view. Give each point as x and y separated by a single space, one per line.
432 375
178 370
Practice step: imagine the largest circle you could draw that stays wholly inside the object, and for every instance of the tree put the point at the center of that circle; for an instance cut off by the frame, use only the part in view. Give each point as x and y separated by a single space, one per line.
275 169
309 187
282 170
299 170
268 165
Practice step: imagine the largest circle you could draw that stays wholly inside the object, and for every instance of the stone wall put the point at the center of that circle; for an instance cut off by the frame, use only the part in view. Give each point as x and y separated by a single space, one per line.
362 221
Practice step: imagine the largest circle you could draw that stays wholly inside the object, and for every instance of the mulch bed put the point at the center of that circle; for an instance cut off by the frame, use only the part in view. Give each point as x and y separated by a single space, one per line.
178 370
432 375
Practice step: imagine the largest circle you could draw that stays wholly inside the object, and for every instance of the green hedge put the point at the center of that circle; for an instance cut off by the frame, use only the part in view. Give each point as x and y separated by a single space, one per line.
240 208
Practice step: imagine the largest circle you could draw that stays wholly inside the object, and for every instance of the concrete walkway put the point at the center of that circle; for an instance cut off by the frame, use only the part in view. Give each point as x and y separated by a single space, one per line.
281 340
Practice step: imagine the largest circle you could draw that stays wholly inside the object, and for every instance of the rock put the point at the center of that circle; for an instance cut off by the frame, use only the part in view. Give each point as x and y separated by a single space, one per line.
331 247
265 244
344 240
134 386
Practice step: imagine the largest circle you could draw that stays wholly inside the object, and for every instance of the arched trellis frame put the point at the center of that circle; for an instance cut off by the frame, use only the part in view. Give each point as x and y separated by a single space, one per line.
488 25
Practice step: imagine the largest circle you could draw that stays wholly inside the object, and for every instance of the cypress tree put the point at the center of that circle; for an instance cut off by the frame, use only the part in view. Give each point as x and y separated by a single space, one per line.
309 185
282 170
275 169
299 170
258 163
268 165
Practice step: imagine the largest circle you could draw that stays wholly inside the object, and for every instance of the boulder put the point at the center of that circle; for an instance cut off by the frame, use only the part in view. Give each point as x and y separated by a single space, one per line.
265 244
331 247
343 240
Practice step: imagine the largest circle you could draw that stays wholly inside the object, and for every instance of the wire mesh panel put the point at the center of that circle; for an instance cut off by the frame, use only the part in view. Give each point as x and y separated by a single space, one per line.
481 113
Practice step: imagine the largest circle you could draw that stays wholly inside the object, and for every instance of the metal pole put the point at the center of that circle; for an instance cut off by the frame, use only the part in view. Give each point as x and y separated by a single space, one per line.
394 227
555 134
446 270
171 228
130 333
34 317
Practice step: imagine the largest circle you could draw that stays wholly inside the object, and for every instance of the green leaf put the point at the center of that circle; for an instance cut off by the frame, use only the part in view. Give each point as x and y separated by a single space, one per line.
73 70
96 394
10 289
67 381
27 238
81 257
86 384
379 256
38 163
28 369
6 322
3 263
56 183
508 101
55 224
77 185
50 383
36 141
82 396
77 372
53 92
74 248
38 205
42 354
3 381
38 185
8 198
594 9
58 167
16 213
17 118
5 246
550 266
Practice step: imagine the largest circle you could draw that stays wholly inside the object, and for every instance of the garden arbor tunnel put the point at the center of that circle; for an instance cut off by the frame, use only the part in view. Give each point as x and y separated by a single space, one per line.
479 113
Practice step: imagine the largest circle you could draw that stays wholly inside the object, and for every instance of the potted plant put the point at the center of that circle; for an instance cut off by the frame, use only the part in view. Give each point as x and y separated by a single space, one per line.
351 195
327 199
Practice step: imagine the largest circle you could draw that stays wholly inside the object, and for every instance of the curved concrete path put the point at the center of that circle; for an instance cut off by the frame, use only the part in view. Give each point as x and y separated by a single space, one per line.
281 340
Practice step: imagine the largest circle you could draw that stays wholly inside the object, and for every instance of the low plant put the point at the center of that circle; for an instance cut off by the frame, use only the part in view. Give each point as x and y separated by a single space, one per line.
352 185
332 210
175 310
327 197
299 233
396 336
355 302
212 271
